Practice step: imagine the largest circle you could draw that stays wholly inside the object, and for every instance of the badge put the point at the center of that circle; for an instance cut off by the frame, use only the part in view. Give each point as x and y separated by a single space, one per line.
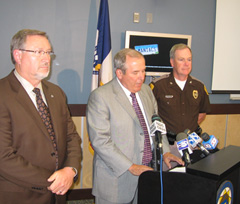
195 94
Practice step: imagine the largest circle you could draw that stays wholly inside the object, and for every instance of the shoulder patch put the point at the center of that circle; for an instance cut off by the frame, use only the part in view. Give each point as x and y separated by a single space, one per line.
151 86
205 89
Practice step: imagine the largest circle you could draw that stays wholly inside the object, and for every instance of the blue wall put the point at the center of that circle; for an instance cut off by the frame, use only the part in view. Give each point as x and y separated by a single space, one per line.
71 26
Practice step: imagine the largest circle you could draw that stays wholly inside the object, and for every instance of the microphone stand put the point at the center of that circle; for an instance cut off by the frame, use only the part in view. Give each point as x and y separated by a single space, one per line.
160 153
154 163
157 152
158 159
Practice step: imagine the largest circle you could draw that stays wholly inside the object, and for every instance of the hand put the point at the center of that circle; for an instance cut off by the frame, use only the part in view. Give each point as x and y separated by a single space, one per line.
168 157
61 180
136 170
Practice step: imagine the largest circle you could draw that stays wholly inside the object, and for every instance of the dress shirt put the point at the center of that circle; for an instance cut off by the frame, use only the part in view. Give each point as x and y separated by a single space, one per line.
29 88
127 92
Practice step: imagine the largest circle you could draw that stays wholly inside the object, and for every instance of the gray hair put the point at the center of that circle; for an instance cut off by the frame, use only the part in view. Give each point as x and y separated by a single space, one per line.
19 39
176 47
120 58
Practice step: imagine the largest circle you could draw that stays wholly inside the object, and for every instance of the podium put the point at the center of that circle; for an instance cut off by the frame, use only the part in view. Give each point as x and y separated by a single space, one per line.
214 179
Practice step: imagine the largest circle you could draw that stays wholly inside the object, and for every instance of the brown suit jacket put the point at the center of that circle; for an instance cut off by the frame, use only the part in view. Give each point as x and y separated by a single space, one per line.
26 152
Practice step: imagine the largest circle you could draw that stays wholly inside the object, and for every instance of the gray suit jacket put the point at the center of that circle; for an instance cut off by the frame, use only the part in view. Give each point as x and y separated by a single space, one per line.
118 140
26 151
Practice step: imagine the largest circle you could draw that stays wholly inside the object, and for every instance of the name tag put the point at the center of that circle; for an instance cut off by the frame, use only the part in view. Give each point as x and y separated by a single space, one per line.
168 96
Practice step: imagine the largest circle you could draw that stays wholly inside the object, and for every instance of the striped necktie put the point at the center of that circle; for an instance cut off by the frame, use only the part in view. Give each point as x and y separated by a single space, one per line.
147 153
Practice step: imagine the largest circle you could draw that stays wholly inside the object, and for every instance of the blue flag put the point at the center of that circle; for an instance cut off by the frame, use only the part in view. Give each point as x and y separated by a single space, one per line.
102 64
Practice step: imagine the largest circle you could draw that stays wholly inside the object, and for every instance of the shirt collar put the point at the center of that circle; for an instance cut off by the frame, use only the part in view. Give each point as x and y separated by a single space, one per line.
126 91
26 84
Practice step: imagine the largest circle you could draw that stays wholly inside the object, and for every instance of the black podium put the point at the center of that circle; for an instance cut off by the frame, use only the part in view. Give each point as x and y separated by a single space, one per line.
214 179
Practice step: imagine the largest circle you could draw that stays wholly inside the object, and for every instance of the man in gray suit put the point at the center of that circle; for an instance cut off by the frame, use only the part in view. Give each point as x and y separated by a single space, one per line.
116 134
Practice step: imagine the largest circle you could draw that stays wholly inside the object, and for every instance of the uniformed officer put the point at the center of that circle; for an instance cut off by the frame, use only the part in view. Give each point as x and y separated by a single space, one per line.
182 99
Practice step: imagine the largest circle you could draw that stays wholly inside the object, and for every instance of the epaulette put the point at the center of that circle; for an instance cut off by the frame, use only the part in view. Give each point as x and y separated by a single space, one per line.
156 79
205 89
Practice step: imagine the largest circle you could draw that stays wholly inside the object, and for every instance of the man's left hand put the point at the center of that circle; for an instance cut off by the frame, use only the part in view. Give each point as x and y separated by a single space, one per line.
61 180
168 157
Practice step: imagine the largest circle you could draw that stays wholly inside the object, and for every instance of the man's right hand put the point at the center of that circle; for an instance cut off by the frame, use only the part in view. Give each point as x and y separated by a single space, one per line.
137 170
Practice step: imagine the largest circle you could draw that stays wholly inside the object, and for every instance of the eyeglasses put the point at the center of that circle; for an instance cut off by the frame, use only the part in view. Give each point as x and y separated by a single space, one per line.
39 52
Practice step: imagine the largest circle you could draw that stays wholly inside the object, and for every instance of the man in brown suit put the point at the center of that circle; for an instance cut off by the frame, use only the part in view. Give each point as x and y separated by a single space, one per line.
34 168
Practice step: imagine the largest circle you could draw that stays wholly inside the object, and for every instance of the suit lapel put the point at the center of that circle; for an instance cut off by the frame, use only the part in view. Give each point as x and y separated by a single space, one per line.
27 104
124 101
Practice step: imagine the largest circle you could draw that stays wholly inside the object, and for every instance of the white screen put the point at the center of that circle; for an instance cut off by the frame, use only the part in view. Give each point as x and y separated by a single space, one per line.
226 66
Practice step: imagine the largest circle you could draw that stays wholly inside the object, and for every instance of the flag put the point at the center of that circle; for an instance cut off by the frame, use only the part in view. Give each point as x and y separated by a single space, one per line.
102 64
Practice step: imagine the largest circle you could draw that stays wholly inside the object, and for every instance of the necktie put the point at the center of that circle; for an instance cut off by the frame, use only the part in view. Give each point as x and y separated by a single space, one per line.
147 153
46 118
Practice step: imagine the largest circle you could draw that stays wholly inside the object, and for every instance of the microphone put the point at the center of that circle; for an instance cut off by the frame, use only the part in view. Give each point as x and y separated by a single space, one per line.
182 144
195 141
171 136
157 128
209 142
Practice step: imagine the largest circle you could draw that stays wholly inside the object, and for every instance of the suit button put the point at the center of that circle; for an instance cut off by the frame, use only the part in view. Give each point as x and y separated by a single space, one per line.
53 154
